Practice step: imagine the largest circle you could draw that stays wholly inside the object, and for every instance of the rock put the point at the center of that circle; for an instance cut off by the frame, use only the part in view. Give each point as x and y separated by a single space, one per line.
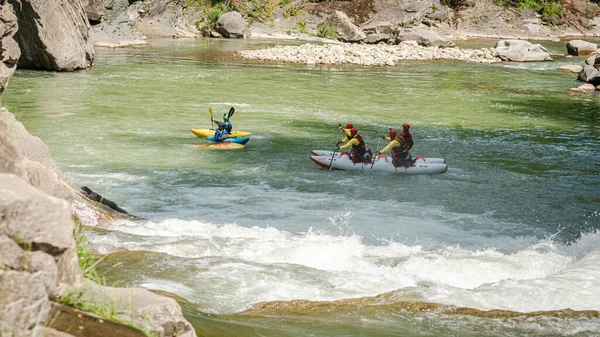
9 49
588 73
98 198
159 315
520 51
25 303
581 48
36 219
424 37
587 87
53 35
376 38
570 68
593 60
96 13
345 28
378 27
232 25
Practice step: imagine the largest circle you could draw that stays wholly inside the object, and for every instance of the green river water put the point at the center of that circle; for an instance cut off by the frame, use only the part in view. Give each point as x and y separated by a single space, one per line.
511 225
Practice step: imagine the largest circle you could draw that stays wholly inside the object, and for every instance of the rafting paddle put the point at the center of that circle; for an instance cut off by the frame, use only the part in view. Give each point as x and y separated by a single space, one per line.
376 150
334 149
231 111
211 117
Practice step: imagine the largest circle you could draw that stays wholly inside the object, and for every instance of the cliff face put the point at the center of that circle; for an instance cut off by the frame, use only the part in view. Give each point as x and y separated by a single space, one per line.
9 50
53 35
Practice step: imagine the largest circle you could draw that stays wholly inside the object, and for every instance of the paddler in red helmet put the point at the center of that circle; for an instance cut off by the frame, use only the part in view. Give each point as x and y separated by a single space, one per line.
400 155
360 151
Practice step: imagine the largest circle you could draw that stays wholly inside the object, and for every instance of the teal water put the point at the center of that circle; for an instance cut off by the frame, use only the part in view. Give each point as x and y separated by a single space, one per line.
511 225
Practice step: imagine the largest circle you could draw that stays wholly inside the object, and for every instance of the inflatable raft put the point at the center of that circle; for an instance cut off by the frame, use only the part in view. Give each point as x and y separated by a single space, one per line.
382 163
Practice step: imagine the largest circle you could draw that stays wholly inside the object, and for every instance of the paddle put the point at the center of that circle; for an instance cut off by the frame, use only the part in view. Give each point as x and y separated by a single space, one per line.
334 149
231 111
376 150
211 117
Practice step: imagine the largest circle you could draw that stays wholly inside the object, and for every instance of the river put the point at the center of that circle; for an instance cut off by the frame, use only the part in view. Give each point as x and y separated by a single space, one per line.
512 225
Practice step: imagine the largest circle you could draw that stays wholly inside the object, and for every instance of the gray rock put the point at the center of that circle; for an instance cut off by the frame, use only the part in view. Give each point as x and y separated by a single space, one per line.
160 315
345 28
570 68
587 73
593 60
233 25
34 218
587 87
424 37
376 38
53 35
95 13
581 48
520 51
9 49
25 303
378 27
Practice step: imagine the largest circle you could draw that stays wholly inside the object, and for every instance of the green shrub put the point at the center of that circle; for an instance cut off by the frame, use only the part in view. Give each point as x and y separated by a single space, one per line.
327 31
292 11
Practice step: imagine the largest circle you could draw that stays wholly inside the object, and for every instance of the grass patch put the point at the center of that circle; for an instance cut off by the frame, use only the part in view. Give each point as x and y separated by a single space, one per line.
327 31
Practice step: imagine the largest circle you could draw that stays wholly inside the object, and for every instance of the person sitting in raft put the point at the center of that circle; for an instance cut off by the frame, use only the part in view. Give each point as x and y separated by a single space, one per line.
360 151
221 134
407 136
228 125
400 155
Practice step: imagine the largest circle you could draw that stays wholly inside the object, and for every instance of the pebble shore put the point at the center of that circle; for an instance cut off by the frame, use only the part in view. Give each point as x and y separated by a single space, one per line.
368 54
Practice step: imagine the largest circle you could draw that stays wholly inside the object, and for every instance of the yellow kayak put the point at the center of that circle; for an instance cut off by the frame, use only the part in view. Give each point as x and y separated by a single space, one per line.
209 133
219 146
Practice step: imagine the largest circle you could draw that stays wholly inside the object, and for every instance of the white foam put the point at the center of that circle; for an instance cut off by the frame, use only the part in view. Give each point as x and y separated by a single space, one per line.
543 276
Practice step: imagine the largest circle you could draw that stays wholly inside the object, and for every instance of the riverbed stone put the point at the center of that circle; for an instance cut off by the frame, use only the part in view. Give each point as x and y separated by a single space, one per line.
233 25
346 29
53 35
581 48
587 73
521 51
570 68
587 87
424 37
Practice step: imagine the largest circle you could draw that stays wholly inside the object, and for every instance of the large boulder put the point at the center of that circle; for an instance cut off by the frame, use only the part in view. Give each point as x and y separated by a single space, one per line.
345 28
157 314
53 35
35 235
233 25
520 51
589 74
581 48
95 13
424 37
9 49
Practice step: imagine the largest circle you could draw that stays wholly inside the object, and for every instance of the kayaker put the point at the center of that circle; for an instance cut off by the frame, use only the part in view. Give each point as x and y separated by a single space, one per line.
220 134
226 123
360 151
400 155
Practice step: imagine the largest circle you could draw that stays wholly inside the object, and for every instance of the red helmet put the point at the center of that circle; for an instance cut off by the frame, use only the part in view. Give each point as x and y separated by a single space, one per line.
406 126
353 131
349 126
392 134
